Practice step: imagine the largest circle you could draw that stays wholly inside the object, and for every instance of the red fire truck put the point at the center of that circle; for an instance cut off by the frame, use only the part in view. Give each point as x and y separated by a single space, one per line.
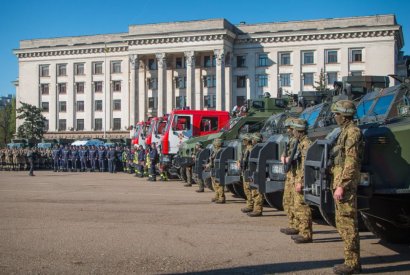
156 130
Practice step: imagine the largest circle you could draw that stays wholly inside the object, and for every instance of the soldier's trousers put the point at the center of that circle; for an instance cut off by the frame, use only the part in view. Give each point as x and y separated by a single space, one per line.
248 193
288 194
31 167
346 224
189 174
303 215
257 199
219 190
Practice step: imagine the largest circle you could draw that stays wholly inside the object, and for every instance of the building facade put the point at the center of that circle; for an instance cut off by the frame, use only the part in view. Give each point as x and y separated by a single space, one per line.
99 85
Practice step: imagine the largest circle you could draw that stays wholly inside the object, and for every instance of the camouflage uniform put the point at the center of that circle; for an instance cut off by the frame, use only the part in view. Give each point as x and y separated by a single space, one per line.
346 175
219 189
302 212
257 197
198 149
243 163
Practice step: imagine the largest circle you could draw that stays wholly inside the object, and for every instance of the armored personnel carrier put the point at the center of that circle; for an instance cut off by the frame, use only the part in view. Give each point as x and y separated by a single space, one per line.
384 188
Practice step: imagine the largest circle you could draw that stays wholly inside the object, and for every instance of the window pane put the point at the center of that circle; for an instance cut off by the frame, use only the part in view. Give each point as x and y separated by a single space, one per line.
79 69
116 67
308 79
61 69
331 78
62 106
44 106
97 67
98 105
80 106
241 81
117 104
263 60
80 124
262 80
308 58
79 87
331 56
98 86
382 105
62 88
240 61
152 64
98 124
44 70
62 125
117 124
44 89
356 55
284 80
285 59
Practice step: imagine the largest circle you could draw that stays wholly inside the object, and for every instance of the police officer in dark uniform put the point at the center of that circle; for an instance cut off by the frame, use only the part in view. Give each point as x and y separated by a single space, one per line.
102 155
56 158
65 156
75 155
83 158
92 156
111 160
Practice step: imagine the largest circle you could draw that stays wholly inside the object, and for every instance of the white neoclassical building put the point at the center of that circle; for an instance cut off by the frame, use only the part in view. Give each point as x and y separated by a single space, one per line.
99 85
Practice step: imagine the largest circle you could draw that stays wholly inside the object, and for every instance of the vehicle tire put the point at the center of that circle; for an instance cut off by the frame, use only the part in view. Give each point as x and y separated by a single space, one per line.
231 189
274 199
386 230
238 187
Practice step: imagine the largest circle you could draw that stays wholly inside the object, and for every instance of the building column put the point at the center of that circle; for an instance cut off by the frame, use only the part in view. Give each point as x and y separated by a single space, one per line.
220 79
88 103
228 83
53 92
142 92
133 58
162 68
190 81
297 73
248 87
170 90
107 97
198 89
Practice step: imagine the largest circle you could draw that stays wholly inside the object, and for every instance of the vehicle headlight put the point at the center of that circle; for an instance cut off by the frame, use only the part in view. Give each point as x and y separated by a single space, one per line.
277 168
234 168
364 179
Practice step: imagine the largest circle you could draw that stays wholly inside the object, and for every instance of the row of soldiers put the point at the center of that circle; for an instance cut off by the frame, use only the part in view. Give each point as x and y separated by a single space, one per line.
17 159
345 172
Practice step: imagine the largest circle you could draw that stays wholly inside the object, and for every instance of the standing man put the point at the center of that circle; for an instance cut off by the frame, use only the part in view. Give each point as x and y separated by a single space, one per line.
30 157
257 197
74 157
92 155
346 176
218 188
65 157
153 156
246 149
198 149
302 211
111 159
101 158
56 158
290 168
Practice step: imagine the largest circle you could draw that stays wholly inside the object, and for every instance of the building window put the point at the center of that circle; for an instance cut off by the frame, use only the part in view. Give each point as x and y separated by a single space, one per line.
61 69
331 56
44 89
284 58
262 80
116 104
308 79
80 106
98 124
180 102
116 86
116 67
117 124
179 63
79 87
98 105
79 68
98 87
240 61
152 102
263 60
356 55
62 88
152 83
180 82
62 106
240 100
331 77
62 124
284 80
44 70
241 81
97 67
44 107
209 81
209 61
308 58
46 125
356 73
152 64
209 101
80 124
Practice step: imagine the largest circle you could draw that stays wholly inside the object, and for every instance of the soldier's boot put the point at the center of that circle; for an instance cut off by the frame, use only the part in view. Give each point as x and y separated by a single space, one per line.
300 239
200 190
214 199
289 231
345 269
254 214
220 201
187 185
246 210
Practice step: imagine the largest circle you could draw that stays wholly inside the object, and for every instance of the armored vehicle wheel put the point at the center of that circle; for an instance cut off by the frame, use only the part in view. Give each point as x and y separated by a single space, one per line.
231 189
238 187
274 199
182 174
208 184
386 230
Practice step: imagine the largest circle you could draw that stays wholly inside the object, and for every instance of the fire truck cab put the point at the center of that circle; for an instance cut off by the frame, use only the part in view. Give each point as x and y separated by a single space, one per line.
156 130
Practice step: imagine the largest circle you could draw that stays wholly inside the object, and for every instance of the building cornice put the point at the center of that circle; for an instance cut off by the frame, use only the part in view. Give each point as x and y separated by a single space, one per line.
61 52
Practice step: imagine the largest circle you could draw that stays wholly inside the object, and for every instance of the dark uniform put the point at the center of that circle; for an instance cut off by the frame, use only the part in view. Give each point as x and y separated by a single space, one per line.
153 156
347 155
75 155
65 155
31 157
102 155
83 158
247 147
56 158
93 157
198 149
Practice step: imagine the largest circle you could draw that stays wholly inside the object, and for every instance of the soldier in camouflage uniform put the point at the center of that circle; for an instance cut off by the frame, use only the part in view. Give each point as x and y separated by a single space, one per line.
347 155
288 192
2 158
257 197
218 188
246 149
198 149
302 211
188 171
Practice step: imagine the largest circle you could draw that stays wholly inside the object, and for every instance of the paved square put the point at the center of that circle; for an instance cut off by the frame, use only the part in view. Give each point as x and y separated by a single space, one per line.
100 223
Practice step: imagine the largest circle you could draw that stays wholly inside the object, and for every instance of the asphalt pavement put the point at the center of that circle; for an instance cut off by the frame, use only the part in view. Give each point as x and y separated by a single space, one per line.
101 223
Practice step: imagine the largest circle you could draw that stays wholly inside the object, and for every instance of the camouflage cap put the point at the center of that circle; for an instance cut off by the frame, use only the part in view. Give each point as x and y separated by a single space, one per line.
198 143
246 137
257 137
344 107
298 124
288 122
217 142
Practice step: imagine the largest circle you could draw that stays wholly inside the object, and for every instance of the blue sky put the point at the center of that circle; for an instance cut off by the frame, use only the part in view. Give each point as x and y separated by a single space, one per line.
30 19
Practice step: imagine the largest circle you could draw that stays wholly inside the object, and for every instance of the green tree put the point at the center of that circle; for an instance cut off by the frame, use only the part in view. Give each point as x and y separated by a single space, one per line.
33 126
321 84
7 122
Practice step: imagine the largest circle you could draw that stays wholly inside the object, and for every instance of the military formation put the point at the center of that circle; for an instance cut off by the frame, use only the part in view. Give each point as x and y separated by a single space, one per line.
144 162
